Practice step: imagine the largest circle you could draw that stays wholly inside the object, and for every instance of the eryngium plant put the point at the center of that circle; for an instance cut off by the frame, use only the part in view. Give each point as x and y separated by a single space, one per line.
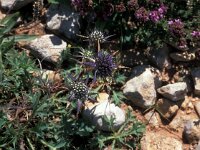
79 91
102 65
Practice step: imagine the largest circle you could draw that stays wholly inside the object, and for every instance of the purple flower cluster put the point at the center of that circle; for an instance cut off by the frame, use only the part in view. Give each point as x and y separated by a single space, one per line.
120 8
195 34
176 27
77 4
107 11
182 43
142 14
80 6
158 14
132 4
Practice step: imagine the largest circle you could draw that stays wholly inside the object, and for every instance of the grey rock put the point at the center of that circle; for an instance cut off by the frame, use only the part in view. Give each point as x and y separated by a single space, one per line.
140 89
14 4
160 141
62 19
180 119
167 108
196 79
174 92
153 118
160 57
183 56
197 107
95 114
47 47
192 131
198 146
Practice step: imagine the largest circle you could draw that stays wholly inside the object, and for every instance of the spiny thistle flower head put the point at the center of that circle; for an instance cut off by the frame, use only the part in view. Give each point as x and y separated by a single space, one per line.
103 64
86 54
79 91
97 35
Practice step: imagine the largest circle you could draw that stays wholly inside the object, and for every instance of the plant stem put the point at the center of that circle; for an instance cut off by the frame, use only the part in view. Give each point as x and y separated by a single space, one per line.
98 45
1 67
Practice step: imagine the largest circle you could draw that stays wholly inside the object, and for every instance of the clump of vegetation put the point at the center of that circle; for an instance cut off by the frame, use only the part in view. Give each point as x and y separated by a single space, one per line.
147 22
36 113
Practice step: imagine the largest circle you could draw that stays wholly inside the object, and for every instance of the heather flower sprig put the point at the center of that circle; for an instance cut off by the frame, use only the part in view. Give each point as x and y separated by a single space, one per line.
132 4
142 14
196 34
195 38
120 8
157 15
176 28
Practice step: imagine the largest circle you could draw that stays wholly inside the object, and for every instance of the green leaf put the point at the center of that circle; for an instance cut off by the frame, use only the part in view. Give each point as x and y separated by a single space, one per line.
8 23
19 38
58 1
120 78
117 96
2 122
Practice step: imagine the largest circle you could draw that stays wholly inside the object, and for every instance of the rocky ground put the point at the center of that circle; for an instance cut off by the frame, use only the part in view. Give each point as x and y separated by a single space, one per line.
162 89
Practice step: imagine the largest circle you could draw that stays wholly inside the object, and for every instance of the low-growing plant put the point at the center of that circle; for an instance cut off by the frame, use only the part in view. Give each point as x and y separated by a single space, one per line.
38 114
146 22
127 136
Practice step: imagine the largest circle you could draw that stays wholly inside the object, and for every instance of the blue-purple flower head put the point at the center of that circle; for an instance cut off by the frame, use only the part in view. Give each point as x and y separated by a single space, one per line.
79 91
103 64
